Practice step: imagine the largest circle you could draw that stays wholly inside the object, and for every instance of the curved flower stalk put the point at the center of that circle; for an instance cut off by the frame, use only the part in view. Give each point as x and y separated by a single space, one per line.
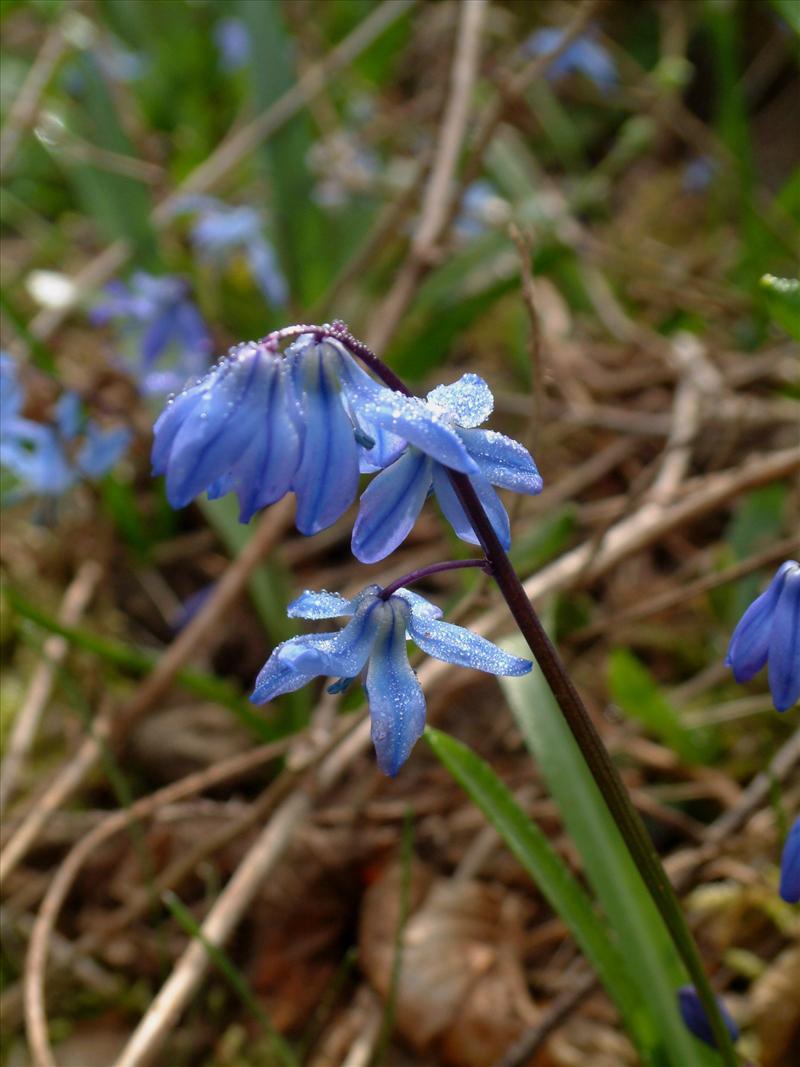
262 424
171 342
375 640
392 502
790 866
46 460
768 634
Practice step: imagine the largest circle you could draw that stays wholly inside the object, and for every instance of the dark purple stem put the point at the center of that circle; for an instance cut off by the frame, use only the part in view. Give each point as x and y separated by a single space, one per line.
572 707
435 568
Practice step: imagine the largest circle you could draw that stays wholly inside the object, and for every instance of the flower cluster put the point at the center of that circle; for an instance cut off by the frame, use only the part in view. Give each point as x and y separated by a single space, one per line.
46 460
768 634
309 421
375 638
168 340
221 234
583 56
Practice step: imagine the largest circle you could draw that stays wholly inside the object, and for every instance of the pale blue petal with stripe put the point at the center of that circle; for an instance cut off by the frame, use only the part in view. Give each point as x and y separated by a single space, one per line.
390 505
327 478
321 605
396 700
503 461
467 402
413 420
265 472
281 675
419 604
218 430
455 644
457 517
784 645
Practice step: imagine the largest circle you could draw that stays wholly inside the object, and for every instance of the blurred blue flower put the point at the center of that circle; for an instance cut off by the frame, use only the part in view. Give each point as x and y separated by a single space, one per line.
481 207
584 56
233 43
47 460
698 173
375 639
769 633
262 425
392 502
695 1019
221 232
171 340
790 866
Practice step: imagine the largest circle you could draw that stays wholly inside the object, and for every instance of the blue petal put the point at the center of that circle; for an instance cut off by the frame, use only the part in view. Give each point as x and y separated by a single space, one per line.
413 420
69 416
218 430
322 605
467 402
503 461
456 516
157 336
396 700
280 674
749 645
266 272
419 604
455 644
327 478
390 506
784 642
176 411
101 449
266 470
193 332
695 1019
790 866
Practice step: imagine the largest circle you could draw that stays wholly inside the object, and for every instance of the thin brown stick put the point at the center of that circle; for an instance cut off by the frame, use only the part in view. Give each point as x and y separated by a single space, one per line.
203 628
438 192
26 722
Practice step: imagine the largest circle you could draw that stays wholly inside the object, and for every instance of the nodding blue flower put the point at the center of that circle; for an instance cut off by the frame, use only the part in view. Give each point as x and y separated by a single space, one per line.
391 503
375 640
233 43
584 56
790 866
695 1019
769 633
171 341
221 232
47 460
261 425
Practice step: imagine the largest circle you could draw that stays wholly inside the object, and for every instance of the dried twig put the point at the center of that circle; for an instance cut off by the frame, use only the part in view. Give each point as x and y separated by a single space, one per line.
26 721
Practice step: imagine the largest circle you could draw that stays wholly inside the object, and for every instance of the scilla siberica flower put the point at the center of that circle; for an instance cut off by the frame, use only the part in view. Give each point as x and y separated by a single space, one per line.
695 1019
790 866
375 638
46 460
262 424
391 503
769 633
171 340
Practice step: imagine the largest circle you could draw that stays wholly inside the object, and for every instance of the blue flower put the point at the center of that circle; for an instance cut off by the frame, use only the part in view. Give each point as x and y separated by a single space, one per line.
584 56
220 232
233 42
769 633
695 1018
262 425
171 340
375 639
790 866
47 460
391 503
